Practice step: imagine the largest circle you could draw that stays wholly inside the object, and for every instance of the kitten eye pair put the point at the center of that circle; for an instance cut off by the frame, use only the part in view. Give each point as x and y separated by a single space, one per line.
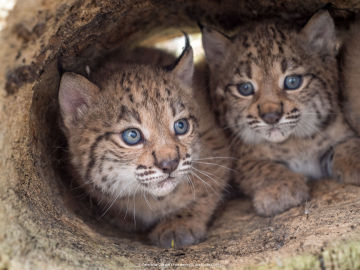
133 136
291 82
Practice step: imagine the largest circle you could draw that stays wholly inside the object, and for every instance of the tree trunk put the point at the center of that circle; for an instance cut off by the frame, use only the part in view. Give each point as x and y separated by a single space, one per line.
43 222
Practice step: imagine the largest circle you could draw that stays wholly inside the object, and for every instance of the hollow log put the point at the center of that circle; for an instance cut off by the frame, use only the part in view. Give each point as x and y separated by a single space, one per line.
43 222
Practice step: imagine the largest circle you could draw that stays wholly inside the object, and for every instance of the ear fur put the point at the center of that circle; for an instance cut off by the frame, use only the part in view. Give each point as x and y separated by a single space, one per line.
75 96
318 36
215 46
183 68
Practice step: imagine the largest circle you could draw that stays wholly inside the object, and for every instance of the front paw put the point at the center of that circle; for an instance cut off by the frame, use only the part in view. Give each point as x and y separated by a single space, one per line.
346 169
280 196
346 161
177 234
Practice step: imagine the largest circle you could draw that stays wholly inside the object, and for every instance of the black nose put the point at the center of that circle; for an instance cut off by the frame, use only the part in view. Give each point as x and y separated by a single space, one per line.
168 166
271 117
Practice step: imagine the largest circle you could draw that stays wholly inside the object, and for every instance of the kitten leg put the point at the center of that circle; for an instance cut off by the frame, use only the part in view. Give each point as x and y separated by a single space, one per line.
272 186
346 161
189 225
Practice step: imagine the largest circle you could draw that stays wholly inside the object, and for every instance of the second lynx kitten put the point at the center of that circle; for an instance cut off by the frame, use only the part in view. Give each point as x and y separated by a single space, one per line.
144 144
276 89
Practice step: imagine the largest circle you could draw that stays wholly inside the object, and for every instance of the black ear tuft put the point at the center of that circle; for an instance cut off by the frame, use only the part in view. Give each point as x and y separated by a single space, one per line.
201 26
183 67
185 50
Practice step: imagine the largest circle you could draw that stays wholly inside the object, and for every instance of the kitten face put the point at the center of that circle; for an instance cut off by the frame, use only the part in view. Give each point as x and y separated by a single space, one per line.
137 134
145 150
274 82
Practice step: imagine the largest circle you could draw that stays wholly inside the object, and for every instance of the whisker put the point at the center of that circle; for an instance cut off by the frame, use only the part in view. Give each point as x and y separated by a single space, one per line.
146 200
310 113
192 186
204 182
127 205
215 158
111 204
134 204
210 163
216 181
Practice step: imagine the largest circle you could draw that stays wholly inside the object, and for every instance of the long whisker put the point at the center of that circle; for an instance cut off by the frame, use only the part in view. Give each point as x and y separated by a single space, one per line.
216 158
127 205
146 200
310 113
134 204
111 204
210 163
204 182
216 181
210 173
192 186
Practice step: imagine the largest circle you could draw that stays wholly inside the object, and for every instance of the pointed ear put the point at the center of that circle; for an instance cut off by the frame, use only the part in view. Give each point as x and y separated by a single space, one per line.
318 36
215 45
183 68
75 95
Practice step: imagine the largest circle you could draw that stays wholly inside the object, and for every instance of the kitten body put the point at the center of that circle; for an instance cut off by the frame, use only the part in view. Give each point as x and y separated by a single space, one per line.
168 180
276 91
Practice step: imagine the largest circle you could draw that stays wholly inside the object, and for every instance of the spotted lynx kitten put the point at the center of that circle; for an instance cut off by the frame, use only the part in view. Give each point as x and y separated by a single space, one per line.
276 90
144 143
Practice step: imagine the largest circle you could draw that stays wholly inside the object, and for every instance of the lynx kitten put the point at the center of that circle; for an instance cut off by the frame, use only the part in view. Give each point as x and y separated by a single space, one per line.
277 92
144 144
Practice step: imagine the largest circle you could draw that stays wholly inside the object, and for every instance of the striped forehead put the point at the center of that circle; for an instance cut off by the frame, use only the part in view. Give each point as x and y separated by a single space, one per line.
144 96
263 49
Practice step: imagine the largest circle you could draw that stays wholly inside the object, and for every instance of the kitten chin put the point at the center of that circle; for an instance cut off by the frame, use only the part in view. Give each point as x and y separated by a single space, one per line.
164 187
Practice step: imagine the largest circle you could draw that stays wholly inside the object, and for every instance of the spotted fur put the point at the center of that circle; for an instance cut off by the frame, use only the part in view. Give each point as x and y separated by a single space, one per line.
282 137
172 182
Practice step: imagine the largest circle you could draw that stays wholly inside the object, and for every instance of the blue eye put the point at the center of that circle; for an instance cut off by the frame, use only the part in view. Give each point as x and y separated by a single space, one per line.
131 136
245 89
181 126
292 82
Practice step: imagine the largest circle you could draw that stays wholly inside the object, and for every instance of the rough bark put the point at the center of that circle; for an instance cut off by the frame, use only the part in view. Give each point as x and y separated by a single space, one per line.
43 223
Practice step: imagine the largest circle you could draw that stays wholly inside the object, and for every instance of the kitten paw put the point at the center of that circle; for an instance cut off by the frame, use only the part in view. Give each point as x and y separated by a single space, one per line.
175 234
347 170
346 162
280 196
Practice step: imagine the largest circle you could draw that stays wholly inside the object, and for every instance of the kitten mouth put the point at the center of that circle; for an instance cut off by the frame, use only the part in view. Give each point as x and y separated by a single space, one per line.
163 182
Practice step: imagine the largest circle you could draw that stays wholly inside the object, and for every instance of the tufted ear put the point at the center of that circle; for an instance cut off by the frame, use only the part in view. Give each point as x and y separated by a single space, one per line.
75 96
183 68
215 46
318 35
